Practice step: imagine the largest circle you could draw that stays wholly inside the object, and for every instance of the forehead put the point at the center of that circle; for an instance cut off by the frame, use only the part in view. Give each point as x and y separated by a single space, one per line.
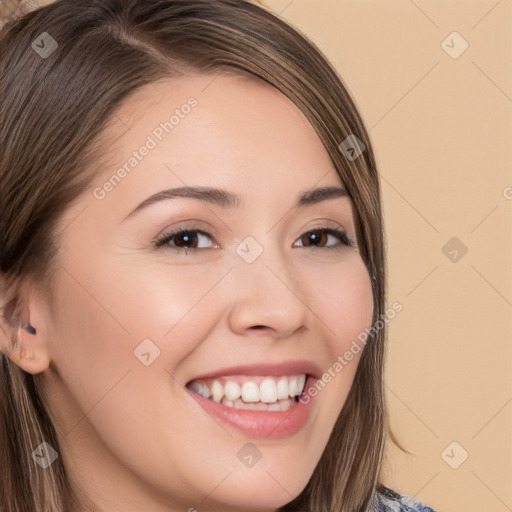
217 130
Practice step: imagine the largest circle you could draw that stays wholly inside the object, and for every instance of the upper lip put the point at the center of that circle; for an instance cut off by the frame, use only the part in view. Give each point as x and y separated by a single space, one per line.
274 369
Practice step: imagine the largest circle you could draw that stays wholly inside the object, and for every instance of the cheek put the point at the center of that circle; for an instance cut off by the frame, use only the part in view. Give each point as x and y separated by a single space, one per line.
175 306
91 347
346 310
346 306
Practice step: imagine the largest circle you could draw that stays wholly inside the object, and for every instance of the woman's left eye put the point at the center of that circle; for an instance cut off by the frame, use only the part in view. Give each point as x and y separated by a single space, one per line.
183 238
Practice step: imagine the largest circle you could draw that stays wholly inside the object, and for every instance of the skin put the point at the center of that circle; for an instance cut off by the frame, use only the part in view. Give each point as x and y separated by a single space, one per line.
132 437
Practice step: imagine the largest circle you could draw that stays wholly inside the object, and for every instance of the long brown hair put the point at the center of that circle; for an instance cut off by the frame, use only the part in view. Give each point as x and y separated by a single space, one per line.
52 112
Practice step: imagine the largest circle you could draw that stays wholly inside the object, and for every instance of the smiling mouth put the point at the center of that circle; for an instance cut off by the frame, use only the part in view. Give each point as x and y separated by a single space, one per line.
261 393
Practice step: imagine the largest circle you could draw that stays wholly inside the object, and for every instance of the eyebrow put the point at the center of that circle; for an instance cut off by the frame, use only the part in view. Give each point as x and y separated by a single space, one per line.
226 199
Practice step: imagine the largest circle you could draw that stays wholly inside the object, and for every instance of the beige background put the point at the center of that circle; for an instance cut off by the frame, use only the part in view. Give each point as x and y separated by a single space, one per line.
441 129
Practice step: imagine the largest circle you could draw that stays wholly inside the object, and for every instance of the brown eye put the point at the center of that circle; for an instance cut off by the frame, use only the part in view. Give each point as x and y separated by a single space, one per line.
315 237
183 240
318 237
186 238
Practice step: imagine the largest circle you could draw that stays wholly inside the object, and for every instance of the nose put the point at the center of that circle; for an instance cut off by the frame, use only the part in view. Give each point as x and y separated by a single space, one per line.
266 298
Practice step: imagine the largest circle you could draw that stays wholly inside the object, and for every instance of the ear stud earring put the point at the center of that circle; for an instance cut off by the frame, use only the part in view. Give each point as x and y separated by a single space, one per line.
30 329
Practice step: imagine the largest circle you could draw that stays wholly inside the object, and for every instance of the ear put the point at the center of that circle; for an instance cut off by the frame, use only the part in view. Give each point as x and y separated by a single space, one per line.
28 351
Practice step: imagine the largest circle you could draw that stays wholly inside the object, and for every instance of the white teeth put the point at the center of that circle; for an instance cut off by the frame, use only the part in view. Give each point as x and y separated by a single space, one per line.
246 393
217 391
250 392
283 405
282 388
296 385
225 401
200 388
302 382
232 390
268 391
286 405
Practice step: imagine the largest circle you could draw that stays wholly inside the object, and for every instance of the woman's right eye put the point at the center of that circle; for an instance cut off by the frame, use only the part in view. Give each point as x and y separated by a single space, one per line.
181 238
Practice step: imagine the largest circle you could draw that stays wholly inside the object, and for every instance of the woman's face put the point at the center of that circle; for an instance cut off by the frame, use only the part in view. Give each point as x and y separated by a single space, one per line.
136 321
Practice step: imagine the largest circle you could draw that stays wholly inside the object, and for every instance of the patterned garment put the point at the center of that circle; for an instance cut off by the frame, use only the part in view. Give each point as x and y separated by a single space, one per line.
388 500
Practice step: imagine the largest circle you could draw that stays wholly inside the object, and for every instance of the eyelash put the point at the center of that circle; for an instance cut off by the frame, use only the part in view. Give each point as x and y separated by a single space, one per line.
167 237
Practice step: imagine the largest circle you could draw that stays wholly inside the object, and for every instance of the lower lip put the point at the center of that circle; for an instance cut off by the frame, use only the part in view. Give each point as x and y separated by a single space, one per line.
261 424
